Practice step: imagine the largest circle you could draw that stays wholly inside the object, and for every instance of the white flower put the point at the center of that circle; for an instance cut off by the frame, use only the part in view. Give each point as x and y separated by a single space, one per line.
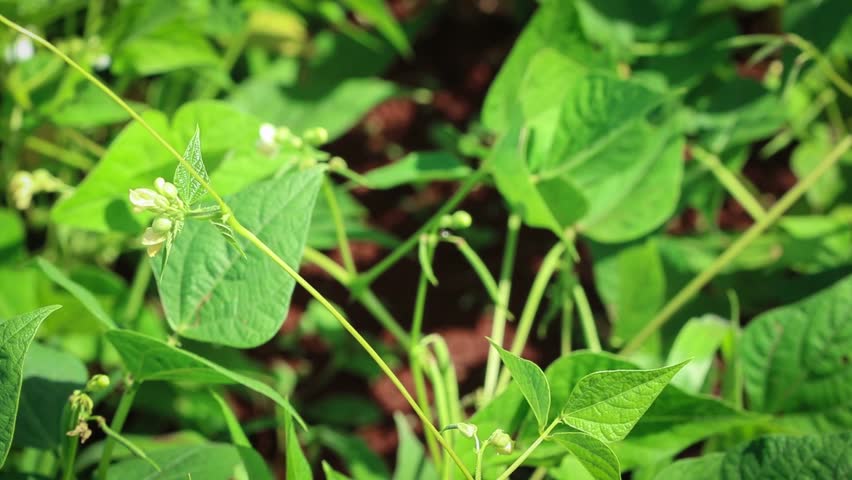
22 189
268 133
154 240
20 51
467 429
102 62
144 198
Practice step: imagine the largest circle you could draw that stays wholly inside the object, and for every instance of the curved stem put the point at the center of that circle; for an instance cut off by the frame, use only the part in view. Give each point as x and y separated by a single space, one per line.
587 320
248 235
477 264
117 424
520 460
414 359
339 227
498 327
703 278
730 181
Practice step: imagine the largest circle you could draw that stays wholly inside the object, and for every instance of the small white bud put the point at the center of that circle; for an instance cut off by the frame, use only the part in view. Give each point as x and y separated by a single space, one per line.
144 198
502 442
467 429
22 188
162 224
268 133
102 62
20 51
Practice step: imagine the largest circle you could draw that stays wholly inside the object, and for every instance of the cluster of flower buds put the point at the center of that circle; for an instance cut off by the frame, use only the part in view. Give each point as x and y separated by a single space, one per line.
164 202
271 138
81 407
24 185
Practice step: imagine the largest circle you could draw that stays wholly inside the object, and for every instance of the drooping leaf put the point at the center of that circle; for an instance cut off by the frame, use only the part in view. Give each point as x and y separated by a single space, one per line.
190 189
134 159
608 404
796 361
531 380
16 334
418 167
78 291
212 294
49 377
150 359
697 341
411 459
597 458
213 461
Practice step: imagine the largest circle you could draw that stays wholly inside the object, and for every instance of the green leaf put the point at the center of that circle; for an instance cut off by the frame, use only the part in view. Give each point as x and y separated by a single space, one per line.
297 464
238 437
11 235
608 404
134 159
412 463
697 341
211 293
210 461
78 291
331 473
49 377
150 359
16 334
595 456
796 361
190 189
418 167
531 381
705 467
825 457
170 47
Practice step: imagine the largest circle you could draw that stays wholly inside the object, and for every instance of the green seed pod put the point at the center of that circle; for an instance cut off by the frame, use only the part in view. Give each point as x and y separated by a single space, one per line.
97 383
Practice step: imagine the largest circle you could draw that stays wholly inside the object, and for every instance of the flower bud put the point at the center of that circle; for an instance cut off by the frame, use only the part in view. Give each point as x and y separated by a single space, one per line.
97 383
162 224
159 183
22 188
446 221
337 163
152 237
294 142
502 442
467 429
462 220
315 136
268 134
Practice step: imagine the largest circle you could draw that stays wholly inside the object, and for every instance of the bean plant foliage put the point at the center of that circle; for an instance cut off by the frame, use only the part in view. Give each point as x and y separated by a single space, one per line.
657 232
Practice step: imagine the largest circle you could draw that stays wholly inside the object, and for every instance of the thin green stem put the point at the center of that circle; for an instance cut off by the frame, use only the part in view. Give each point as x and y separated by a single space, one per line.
92 147
339 227
567 319
703 278
70 444
117 424
587 320
68 157
520 460
372 274
498 326
414 359
248 235
730 181
822 61
93 17
542 278
477 264
479 454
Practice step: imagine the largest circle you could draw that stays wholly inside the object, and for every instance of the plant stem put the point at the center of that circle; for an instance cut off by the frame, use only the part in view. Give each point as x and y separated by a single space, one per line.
339 227
479 454
117 424
477 264
68 157
587 320
93 17
69 445
414 358
498 327
520 460
703 278
372 274
823 62
542 278
730 181
248 235
567 318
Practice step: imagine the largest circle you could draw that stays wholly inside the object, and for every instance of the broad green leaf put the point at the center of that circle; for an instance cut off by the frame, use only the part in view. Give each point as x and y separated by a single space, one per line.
697 341
150 359
78 291
211 293
134 159
632 283
210 461
555 204
819 457
49 377
377 13
418 167
555 25
608 404
705 467
796 361
16 334
531 381
596 457
173 46
190 189
297 464
412 463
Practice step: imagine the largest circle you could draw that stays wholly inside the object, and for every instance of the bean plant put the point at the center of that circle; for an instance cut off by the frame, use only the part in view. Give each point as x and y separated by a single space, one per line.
140 286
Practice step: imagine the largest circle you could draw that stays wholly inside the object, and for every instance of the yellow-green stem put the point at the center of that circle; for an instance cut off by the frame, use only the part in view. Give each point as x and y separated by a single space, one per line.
702 279
339 227
730 181
520 460
117 424
587 320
